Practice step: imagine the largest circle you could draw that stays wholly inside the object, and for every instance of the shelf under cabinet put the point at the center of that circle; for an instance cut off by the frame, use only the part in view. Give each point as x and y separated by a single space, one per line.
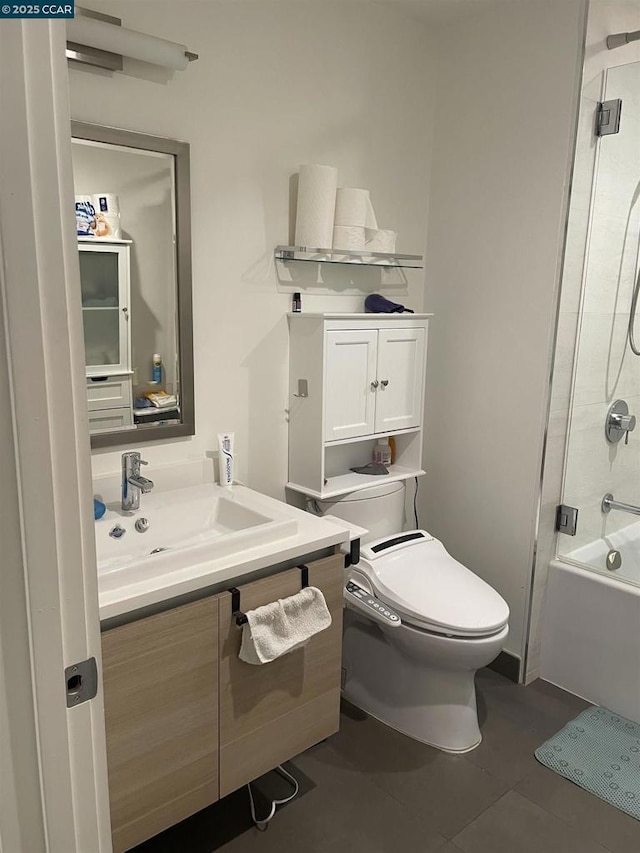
357 439
352 482
348 256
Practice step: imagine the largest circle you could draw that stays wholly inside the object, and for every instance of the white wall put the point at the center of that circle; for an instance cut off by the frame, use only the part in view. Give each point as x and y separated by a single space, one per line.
277 84
506 118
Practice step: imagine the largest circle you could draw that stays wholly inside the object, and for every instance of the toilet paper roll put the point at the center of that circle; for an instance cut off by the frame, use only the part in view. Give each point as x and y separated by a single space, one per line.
351 206
108 226
317 187
348 237
381 240
106 203
85 215
371 223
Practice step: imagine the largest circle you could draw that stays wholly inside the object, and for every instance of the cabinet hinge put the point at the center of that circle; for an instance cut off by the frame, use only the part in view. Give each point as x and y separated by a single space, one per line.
608 117
566 519
81 682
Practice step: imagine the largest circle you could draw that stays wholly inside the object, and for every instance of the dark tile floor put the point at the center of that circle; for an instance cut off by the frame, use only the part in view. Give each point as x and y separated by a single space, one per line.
369 789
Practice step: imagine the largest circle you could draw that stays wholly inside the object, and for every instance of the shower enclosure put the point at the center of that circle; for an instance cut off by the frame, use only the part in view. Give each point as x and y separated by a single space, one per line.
601 461
591 636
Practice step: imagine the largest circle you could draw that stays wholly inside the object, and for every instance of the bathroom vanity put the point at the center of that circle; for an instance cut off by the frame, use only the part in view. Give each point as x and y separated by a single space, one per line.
187 721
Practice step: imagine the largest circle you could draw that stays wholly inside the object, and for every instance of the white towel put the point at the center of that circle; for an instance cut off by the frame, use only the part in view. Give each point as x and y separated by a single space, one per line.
278 628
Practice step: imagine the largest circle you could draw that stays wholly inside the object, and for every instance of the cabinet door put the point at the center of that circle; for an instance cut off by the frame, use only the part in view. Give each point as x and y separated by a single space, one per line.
161 710
104 283
270 713
350 369
400 374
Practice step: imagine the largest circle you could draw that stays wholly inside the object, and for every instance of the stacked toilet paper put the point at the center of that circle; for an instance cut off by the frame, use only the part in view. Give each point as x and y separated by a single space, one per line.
107 215
98 216
381 240
354 215
317 187
85 216
339 218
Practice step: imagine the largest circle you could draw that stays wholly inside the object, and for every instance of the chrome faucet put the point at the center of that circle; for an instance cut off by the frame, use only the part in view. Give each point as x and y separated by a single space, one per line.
133 483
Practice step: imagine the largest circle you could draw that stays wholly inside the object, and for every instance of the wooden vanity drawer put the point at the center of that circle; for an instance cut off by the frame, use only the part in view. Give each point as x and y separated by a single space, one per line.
161 711
272 712
113 392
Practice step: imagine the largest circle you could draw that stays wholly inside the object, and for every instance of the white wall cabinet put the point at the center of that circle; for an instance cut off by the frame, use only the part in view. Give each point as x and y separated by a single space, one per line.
373 381
353 379
105 290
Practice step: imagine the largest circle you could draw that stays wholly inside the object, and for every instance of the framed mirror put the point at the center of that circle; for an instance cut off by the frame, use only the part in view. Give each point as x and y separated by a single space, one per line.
133 216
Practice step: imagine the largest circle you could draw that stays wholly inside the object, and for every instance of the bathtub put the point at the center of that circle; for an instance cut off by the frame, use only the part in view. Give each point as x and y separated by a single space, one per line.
591 624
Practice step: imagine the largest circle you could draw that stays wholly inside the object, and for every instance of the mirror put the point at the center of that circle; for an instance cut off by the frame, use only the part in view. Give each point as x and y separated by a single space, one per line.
134 240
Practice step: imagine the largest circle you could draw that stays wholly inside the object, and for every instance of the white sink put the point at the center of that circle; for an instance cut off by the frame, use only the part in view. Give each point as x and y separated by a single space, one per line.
188 526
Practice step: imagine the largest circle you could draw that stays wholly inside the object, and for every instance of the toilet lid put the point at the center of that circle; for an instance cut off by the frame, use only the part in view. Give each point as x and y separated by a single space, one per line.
430 589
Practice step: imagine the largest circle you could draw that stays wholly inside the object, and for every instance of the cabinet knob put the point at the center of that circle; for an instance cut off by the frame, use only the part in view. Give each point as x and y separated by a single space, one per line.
384 382
374 384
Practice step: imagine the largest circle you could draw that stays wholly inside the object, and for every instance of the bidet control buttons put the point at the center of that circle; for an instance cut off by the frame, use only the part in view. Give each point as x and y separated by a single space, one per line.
373 607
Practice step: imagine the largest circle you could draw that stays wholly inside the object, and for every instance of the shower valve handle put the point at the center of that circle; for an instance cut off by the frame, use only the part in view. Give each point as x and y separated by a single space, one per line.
625 424
619 422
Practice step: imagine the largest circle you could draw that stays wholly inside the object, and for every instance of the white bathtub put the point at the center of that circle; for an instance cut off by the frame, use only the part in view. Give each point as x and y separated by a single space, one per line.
626 541
591 626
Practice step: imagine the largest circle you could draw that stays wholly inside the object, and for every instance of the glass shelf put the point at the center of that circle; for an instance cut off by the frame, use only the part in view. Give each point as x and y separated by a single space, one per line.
348 256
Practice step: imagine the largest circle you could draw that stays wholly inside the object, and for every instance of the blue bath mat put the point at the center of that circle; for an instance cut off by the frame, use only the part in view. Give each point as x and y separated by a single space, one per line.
600 751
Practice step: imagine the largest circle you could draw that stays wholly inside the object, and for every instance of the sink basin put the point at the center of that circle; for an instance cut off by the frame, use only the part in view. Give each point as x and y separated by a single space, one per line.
186 527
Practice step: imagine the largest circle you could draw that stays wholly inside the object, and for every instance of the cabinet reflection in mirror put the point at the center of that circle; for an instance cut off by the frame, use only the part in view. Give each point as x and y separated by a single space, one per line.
134 239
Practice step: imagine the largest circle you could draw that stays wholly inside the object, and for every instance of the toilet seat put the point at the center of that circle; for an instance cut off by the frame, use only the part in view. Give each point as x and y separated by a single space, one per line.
419 579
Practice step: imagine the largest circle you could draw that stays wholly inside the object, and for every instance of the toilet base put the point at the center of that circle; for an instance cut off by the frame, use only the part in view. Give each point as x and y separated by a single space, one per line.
419 684
411 734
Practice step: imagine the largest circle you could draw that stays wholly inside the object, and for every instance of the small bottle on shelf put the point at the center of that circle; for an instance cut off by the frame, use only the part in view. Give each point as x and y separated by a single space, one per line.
382 452
156 374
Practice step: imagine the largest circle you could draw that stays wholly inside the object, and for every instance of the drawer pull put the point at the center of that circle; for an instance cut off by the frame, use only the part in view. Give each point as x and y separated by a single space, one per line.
240 617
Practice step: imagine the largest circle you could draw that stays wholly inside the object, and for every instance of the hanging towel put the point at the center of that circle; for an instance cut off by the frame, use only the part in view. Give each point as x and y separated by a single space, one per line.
278 628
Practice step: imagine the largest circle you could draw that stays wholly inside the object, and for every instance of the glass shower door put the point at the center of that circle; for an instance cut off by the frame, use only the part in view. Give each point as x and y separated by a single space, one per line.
605 369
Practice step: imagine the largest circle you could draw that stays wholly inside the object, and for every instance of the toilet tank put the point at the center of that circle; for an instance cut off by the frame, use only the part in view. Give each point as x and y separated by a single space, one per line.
380 509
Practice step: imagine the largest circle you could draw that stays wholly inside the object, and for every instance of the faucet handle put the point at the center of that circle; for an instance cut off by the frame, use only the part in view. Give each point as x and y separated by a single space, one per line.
142 462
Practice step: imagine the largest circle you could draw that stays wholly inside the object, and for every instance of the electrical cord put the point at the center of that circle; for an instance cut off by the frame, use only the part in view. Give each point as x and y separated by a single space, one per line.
415 505
263 824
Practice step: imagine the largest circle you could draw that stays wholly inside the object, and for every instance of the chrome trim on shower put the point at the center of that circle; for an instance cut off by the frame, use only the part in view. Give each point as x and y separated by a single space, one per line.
632 316
608 503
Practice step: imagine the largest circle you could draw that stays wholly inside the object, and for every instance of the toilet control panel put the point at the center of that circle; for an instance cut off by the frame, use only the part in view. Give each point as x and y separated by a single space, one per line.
360 599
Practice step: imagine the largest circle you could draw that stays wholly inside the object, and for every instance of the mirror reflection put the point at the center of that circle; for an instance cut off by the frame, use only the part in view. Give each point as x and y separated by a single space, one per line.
134 306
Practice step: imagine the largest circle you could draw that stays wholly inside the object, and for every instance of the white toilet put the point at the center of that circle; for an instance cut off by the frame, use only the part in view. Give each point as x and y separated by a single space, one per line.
414 672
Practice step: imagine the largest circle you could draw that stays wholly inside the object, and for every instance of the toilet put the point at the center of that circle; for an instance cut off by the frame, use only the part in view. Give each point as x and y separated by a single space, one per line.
417 627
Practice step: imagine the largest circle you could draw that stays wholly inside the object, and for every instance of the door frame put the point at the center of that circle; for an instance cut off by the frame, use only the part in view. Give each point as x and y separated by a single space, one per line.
55 790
